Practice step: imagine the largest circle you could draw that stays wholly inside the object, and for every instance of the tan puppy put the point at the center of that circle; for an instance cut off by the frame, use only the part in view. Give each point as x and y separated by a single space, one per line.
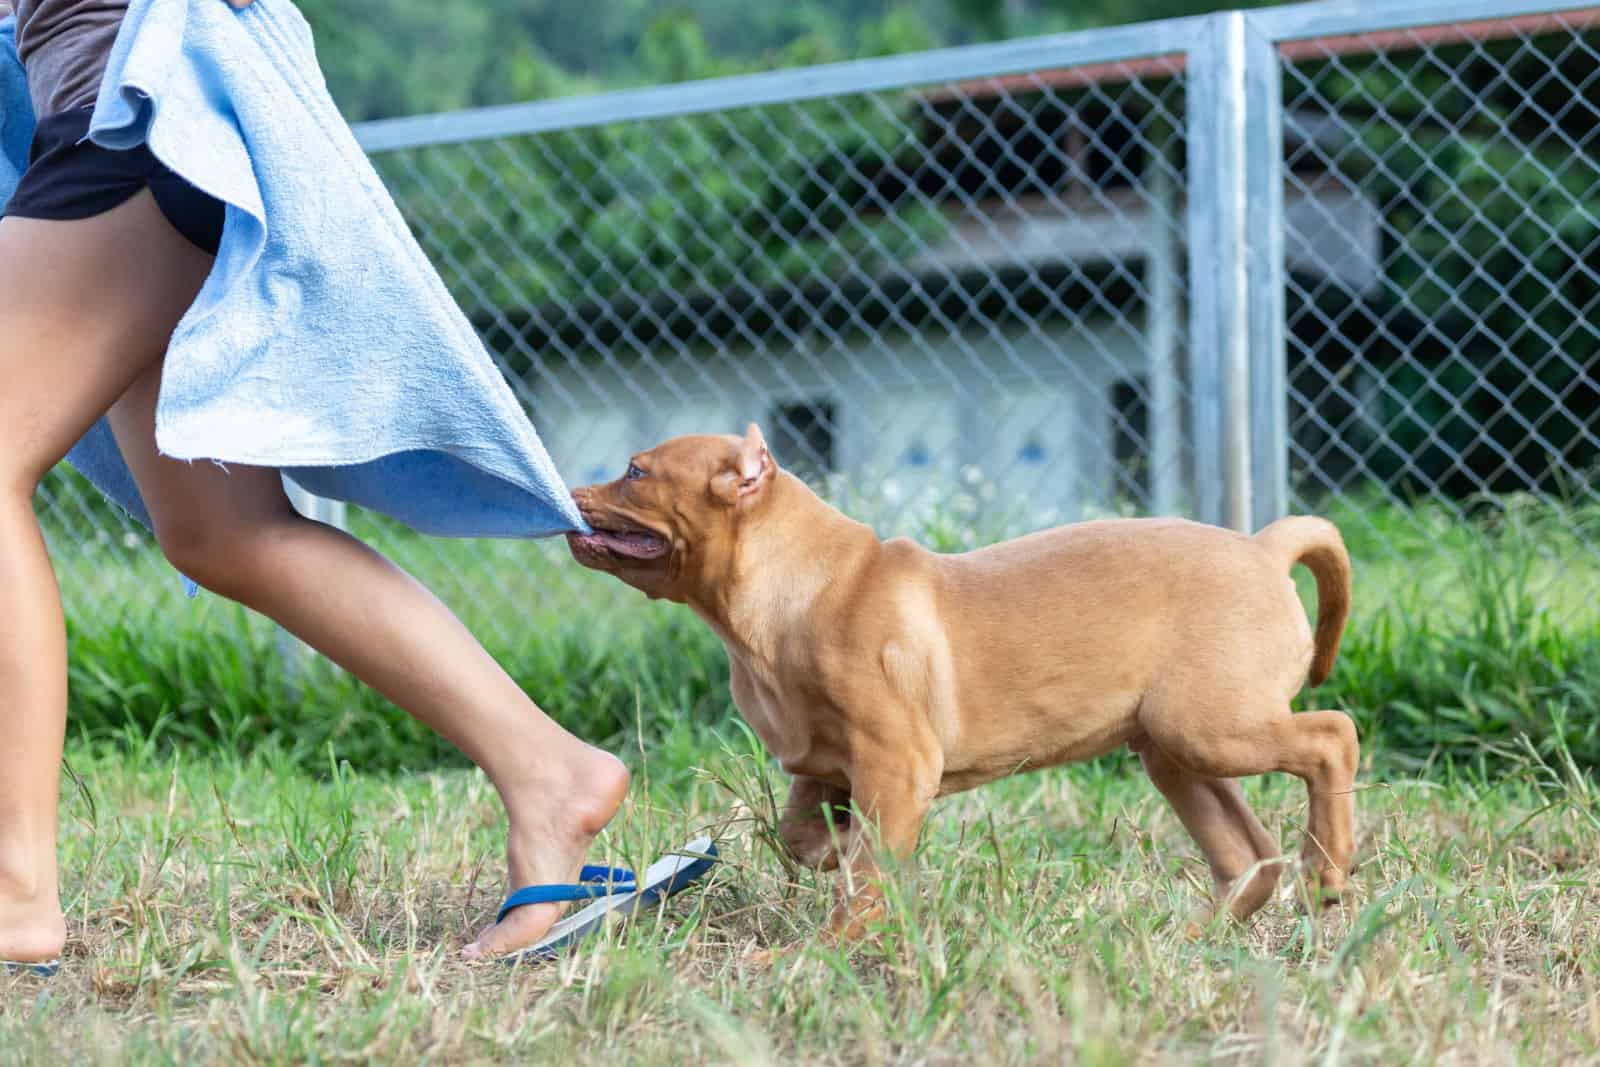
882 675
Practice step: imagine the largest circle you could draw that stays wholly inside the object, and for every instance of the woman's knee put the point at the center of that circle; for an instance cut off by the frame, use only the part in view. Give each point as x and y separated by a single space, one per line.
215 554
21 472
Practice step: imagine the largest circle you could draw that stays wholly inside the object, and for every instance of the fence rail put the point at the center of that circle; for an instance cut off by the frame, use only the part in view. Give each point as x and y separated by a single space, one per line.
1331 257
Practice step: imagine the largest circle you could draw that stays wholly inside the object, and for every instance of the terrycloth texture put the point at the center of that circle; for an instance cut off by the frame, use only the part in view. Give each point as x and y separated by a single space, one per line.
323 343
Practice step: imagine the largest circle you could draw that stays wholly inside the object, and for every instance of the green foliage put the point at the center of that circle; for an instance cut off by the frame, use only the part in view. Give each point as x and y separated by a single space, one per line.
1470 639
586 225
996 19
385 58
209 674
396 57
1490 649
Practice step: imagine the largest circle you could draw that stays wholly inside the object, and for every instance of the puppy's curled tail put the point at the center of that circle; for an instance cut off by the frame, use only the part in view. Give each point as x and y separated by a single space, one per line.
1317 544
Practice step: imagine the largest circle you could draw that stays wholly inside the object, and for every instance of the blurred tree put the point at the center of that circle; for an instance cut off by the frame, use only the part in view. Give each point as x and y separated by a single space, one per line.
996 19
560 235
396 57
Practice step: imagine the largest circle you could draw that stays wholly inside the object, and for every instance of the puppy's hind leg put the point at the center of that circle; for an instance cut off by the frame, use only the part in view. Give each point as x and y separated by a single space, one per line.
1322 748
1244 858
1318 747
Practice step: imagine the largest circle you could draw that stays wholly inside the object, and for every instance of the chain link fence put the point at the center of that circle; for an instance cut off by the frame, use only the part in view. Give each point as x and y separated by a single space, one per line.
909 290
1453 359
974 293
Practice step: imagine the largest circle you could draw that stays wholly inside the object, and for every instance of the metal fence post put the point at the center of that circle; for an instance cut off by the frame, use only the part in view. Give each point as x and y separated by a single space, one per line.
1218 271
1269 378
1163 308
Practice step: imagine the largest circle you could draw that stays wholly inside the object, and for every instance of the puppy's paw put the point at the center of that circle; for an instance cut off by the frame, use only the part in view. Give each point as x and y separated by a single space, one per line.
817 857
1198 922
1320 891
765 959
852 921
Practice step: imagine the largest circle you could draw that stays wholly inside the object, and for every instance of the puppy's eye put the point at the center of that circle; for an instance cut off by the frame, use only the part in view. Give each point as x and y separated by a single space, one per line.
633 472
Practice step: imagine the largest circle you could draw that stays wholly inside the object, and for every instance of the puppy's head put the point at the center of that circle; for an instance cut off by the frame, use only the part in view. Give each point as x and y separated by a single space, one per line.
669 525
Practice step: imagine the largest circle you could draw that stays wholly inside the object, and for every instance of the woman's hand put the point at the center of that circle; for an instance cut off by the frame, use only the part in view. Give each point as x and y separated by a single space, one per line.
237 5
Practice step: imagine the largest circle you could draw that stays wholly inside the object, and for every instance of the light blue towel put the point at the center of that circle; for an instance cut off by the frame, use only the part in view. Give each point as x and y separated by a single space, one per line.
323 343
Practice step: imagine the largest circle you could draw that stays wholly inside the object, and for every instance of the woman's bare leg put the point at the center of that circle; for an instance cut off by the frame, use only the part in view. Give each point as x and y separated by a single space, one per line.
235 532
84 307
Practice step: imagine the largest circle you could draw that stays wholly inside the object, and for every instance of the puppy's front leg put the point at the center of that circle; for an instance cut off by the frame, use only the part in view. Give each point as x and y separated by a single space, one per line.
892 791
807 830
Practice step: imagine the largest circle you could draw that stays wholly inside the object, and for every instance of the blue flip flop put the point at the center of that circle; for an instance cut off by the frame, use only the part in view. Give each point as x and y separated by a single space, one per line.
615 891
46 969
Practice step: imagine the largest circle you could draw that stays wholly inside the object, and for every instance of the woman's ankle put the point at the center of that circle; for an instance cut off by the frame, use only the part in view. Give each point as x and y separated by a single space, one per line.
587 775
26 874
570 800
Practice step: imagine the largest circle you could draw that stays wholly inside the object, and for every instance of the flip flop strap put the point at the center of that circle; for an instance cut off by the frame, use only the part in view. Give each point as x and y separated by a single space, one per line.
597 882
38 970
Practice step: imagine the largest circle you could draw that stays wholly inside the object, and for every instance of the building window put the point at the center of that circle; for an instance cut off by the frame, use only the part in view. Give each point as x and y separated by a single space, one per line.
803 436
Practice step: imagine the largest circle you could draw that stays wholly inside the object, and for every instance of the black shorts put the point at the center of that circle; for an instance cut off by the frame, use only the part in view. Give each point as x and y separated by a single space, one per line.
71 177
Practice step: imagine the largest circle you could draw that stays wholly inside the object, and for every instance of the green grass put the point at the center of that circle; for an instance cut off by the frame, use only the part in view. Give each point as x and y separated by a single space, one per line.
1465 637
242 909
207 671
262 868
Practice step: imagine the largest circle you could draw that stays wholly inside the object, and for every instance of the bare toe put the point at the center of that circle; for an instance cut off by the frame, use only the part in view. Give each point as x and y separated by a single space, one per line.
523 927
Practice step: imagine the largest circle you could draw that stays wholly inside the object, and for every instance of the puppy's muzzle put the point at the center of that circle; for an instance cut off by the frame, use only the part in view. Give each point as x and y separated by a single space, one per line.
618 544
612 537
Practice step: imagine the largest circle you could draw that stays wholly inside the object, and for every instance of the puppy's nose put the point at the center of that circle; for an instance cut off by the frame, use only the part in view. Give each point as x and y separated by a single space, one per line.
585 500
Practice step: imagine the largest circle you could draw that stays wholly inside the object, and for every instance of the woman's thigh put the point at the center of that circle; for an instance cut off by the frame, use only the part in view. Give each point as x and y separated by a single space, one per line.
86 306
192 505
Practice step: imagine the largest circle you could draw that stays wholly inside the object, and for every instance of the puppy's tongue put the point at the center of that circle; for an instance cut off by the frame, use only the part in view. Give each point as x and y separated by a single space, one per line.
638 544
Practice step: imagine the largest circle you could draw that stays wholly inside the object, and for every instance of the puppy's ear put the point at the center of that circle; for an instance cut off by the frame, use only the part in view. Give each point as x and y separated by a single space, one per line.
755 462
752 469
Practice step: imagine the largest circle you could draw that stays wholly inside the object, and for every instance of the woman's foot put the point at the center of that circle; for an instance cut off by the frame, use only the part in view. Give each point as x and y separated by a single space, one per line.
32 929
553 821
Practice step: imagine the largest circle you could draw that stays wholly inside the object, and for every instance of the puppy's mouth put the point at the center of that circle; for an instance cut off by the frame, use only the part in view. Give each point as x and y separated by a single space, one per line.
620 544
